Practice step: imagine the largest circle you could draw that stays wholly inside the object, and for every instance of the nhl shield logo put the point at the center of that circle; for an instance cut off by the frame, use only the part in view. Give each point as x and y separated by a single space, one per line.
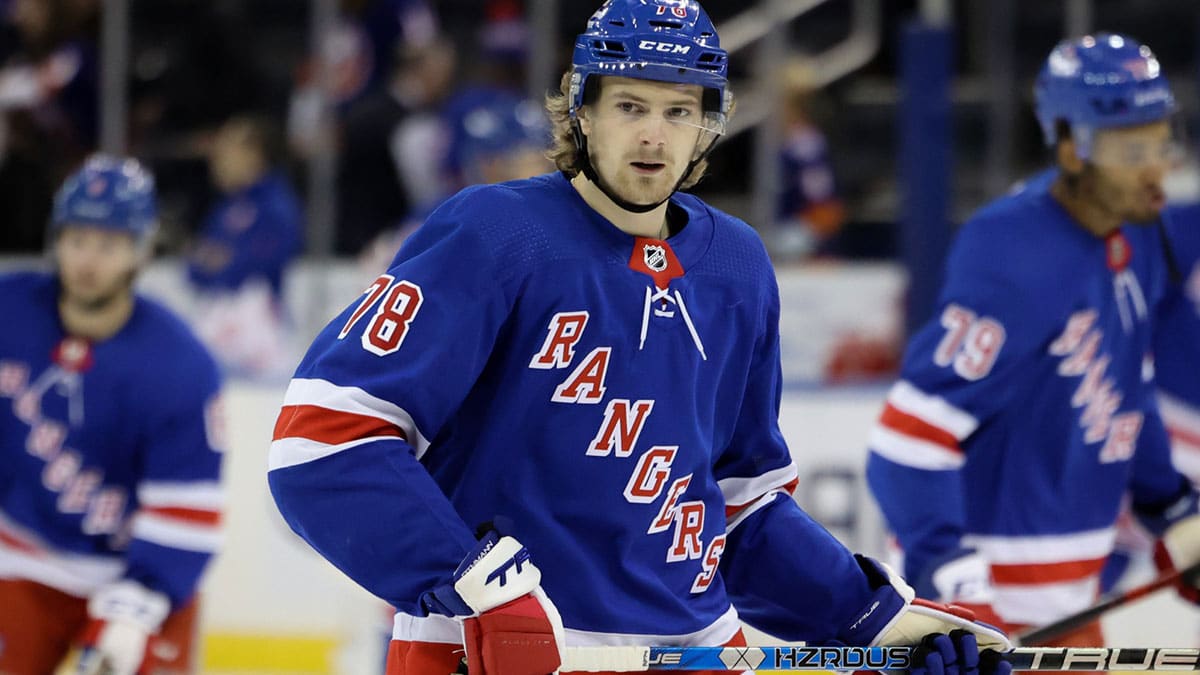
655 257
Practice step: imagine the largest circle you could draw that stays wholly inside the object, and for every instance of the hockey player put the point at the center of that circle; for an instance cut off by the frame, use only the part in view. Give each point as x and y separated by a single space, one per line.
588 360
1177 342
109 497
1025 408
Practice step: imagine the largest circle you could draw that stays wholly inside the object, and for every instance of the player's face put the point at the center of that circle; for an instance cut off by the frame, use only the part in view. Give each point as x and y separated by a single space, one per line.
95 265
1127 169
234 161
642 135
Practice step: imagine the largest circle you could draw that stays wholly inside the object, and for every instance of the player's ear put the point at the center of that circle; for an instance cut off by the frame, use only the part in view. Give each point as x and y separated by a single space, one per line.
1067 155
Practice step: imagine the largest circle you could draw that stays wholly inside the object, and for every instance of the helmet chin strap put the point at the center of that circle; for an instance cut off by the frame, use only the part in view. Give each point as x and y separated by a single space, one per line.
589 170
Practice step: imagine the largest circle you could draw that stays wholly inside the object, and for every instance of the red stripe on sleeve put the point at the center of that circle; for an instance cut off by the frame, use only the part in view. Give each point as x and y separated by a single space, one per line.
333 427
191 516
1184 435
1046 573
908 425
731 510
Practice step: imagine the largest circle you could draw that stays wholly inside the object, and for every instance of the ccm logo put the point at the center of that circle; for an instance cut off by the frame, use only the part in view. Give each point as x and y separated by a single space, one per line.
665 47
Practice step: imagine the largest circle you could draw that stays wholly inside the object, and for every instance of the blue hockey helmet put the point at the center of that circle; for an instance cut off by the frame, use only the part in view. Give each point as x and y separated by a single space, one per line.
110 192
1097 82
496 127
663 40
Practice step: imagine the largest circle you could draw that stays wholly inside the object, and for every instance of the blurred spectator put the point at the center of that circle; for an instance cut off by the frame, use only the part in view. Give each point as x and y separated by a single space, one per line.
498 140
193 64
47 108
392 144
496 76
250 236
358 48
810 211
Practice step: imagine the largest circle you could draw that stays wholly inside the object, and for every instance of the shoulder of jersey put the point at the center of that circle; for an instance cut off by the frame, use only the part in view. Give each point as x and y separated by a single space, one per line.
728 230
171 342
1183 227
27 288
1024 228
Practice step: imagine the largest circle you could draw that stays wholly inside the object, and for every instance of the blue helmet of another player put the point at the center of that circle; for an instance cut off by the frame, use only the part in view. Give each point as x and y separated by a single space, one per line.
110 192
1098 82
498 127
662 40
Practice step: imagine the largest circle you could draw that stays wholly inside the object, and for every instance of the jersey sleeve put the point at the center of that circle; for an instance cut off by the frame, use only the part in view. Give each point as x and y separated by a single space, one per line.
176 526
1155 482
785 573
376 385
960 370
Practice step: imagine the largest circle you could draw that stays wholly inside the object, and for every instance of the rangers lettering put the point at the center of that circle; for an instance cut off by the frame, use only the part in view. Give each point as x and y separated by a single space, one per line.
618 432
1077 327
586 383
1081 346
689 524
79 493
666 514
1122 437
712 558
564 332
646 483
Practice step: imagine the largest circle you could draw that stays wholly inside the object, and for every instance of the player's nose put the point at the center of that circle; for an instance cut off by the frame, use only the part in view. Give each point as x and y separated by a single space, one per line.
652 131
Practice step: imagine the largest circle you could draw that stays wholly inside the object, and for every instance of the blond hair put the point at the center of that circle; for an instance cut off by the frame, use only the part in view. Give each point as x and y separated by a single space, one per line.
563 150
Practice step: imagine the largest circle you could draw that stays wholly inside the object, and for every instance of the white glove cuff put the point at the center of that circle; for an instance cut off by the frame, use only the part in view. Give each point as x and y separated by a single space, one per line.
498 575
131 603
965 579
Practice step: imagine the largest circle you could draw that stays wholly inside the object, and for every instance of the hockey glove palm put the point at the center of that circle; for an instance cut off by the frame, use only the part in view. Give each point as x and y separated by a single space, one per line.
123 616
511 627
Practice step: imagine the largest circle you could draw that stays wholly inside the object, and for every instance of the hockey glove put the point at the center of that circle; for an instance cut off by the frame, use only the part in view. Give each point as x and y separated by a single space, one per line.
1178 529
893 616
956 653
511 627
962 578
122 616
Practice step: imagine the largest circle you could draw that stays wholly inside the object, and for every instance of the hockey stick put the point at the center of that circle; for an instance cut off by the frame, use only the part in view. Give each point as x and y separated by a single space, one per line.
1049 632
631 659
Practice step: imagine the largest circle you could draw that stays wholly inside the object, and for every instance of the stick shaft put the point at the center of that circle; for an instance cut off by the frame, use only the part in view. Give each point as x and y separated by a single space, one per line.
1064 625
791 658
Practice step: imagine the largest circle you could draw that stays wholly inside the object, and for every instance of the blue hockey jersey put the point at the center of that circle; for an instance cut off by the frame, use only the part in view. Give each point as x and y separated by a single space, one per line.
1025 408
1177 342
108 467
614 397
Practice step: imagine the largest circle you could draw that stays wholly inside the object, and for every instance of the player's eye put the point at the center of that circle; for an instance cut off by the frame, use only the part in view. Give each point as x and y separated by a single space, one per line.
679 113
628 107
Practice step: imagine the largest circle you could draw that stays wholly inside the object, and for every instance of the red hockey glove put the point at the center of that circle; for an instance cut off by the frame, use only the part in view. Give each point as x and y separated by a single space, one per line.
123 616
513 628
